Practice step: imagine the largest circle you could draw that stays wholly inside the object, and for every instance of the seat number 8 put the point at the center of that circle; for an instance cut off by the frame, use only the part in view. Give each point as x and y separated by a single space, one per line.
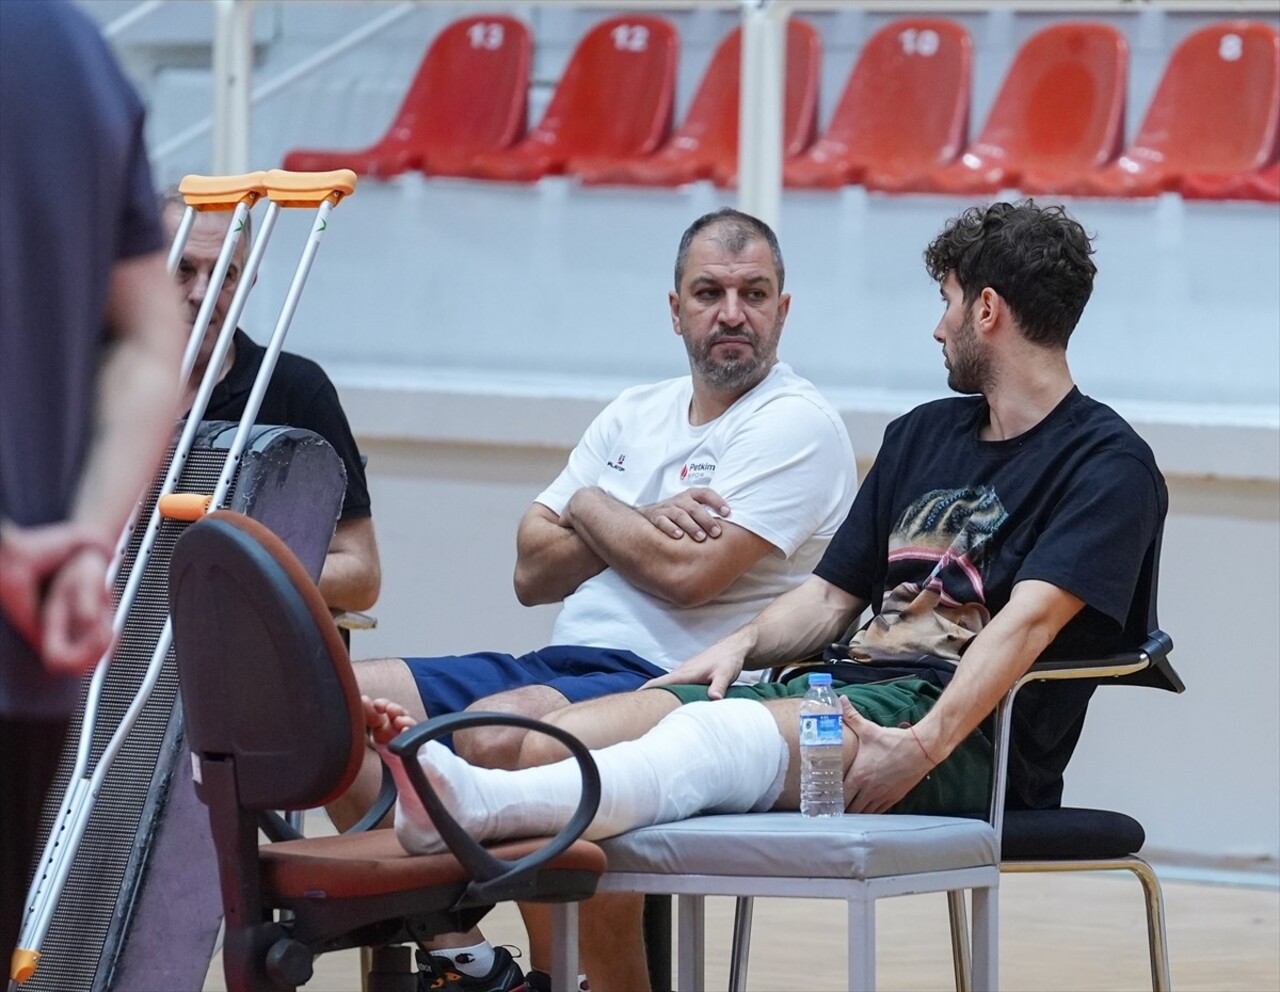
485 35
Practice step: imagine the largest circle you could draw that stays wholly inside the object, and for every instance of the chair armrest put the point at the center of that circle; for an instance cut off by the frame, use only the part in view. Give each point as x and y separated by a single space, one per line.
354 620
494 879
381 805
276 827
1147 665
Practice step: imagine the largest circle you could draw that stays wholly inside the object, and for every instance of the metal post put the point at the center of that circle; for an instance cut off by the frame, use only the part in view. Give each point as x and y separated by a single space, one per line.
232 80
764 55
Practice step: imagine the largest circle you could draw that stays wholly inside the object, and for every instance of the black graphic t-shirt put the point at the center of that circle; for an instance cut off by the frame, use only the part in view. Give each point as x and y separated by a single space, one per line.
946 524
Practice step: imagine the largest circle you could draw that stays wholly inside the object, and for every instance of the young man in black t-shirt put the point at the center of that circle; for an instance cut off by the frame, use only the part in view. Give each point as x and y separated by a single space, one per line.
1019 521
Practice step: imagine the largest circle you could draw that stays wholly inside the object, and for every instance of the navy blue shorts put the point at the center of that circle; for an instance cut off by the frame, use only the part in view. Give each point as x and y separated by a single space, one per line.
452 683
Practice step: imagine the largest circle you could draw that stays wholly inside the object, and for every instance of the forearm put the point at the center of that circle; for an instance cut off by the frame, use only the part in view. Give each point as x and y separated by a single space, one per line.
626 541
1001 654
137 394
134 420
797 625
552 561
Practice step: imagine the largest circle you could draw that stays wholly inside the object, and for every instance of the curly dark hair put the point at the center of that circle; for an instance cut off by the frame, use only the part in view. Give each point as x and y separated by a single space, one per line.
737 230
1036 258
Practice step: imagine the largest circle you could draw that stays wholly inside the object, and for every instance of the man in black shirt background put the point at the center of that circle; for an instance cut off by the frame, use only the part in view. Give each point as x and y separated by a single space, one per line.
300 395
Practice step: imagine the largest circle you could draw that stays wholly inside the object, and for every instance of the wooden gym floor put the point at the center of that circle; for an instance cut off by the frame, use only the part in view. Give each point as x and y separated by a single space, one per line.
1083 933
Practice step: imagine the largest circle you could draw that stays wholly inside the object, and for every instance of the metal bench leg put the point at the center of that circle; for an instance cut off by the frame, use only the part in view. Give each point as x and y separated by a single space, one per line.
741 944
959 939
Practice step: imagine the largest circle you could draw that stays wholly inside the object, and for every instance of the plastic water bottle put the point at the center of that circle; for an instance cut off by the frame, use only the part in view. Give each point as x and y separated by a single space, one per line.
821 754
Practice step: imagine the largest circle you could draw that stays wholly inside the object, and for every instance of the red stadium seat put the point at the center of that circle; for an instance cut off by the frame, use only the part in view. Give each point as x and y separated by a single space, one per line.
470 95
706 144
914 72
1059 113
1262 185
614 99
1216 110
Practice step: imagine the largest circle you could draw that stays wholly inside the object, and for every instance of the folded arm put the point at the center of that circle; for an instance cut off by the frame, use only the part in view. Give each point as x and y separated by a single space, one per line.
556 553
685 572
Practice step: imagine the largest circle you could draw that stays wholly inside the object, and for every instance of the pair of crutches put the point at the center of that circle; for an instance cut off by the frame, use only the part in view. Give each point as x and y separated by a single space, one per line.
238 194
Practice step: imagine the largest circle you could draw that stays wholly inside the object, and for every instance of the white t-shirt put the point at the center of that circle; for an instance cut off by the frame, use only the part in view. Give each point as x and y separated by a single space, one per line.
781 459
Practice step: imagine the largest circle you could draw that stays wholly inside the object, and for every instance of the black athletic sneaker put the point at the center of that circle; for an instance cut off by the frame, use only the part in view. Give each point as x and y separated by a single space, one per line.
540 981
437 973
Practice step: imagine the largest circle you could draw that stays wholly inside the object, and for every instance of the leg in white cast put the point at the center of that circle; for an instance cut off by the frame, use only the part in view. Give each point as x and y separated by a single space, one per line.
725 756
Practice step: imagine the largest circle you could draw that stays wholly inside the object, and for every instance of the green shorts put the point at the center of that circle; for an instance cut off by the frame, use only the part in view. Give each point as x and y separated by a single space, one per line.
960 786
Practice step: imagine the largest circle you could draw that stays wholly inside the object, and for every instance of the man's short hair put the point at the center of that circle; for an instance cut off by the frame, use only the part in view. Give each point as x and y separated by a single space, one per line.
1036 258
736 230
170 197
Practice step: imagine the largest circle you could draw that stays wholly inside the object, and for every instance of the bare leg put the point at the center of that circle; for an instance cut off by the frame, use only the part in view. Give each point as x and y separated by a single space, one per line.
382 678
612 942
499 747
599 722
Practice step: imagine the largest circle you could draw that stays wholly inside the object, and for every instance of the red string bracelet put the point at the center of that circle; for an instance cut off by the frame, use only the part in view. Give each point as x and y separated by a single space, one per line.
919 743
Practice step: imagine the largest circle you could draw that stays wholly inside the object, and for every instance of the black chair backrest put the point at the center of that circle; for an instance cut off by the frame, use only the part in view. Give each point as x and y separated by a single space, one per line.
265 678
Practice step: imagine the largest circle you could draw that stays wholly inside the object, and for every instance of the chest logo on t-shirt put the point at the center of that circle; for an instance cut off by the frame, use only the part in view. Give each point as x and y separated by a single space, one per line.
935 599
697 473
616 464
940 542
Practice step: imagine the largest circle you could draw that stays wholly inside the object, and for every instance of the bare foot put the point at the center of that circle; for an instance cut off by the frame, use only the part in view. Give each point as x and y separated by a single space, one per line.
385 721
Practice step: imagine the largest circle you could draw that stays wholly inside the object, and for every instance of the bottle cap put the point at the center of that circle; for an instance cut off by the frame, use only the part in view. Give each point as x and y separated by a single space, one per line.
819 678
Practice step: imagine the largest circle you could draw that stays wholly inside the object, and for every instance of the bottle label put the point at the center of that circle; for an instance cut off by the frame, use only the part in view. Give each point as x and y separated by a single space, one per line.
820 729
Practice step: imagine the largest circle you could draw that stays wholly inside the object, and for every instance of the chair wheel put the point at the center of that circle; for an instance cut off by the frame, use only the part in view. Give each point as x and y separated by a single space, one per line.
289 964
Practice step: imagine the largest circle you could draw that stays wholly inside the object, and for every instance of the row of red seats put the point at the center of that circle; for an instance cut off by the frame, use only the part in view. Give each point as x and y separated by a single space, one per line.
1212 130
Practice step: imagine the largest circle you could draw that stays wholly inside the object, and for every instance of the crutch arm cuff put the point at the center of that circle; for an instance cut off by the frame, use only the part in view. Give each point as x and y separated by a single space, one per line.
309 189
222 192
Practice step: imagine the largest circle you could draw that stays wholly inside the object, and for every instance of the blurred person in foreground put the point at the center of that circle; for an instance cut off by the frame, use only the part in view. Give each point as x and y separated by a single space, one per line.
90 345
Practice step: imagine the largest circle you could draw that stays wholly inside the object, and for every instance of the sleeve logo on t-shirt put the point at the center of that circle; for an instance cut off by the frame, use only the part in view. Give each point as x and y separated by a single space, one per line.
697 473
616 464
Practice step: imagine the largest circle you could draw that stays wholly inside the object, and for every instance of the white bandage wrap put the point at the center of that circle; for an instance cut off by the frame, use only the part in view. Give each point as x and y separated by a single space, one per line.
722 757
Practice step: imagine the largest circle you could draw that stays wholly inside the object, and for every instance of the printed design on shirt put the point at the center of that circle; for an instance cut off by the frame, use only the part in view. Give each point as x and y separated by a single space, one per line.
617 463
935 602
697 472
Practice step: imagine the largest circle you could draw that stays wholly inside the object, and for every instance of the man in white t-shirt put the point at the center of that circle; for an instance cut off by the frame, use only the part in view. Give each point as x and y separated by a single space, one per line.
686 508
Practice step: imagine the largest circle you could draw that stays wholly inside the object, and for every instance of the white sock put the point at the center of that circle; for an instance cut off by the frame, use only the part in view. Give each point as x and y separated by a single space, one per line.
725 756
476 960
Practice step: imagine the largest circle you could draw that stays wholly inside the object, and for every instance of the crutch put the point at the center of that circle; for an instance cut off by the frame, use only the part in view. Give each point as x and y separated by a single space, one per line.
284 190
235 193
